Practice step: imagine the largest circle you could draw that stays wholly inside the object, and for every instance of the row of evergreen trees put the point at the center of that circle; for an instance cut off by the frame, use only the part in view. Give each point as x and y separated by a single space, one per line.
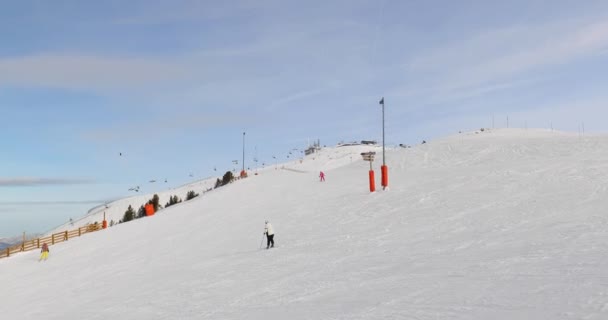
130 214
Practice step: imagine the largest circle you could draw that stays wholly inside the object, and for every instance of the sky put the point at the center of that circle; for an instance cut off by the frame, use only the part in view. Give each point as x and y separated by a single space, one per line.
172 86
503 224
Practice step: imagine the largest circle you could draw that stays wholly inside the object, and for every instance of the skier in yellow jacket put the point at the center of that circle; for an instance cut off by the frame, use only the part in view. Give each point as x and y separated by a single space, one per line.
44 253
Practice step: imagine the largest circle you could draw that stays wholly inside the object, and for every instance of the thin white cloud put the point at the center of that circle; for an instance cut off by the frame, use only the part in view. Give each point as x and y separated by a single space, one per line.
265 64
167 12
44 203
498 57
166 123
482 89
96 73
30 182
296 96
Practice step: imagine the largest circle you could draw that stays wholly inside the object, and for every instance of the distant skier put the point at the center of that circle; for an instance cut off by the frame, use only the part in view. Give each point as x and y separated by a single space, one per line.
269 235
322 176
44 253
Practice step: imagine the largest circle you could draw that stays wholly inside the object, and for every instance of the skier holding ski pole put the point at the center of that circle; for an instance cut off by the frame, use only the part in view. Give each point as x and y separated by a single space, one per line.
269 235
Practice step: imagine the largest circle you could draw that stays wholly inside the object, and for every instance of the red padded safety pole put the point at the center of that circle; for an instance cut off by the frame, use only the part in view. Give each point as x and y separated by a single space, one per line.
384 176
372 181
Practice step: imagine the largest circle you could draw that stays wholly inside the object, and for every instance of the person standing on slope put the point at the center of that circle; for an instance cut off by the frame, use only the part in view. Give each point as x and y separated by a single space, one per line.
44 253
322 176
269 235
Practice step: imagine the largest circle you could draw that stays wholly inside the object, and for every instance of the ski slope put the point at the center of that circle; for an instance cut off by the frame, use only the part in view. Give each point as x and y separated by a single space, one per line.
501 224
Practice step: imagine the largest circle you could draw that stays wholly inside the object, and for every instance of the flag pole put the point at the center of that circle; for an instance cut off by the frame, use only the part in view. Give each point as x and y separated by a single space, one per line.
384 168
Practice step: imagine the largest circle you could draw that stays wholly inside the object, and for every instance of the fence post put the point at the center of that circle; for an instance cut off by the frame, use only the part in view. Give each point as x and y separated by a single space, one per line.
66 236
79 231
38 243
8 252
53 239
23 243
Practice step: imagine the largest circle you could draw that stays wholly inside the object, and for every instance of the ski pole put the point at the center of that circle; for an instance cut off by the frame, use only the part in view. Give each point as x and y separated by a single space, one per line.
262 241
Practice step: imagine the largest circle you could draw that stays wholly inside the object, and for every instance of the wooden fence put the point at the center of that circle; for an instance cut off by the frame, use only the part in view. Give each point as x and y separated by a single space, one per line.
50 240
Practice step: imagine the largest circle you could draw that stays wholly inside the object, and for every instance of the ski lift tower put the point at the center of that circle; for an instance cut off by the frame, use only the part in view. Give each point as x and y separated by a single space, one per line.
243 172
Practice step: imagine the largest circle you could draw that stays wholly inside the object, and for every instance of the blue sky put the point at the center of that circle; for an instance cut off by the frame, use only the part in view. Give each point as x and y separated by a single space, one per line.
173 84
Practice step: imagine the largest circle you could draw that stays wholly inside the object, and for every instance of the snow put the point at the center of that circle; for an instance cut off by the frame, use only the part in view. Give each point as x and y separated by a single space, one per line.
500 224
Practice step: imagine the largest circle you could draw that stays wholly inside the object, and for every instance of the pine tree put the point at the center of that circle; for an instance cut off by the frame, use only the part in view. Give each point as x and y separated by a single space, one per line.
228 177
141 212
173 200
191 195
155 201
129 214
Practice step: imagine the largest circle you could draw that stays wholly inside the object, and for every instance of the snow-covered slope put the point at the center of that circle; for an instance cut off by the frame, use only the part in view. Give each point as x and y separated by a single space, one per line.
505 224
115 210
325 159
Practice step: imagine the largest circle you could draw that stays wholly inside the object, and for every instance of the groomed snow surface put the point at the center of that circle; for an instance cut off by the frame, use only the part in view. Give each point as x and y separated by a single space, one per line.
500 224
